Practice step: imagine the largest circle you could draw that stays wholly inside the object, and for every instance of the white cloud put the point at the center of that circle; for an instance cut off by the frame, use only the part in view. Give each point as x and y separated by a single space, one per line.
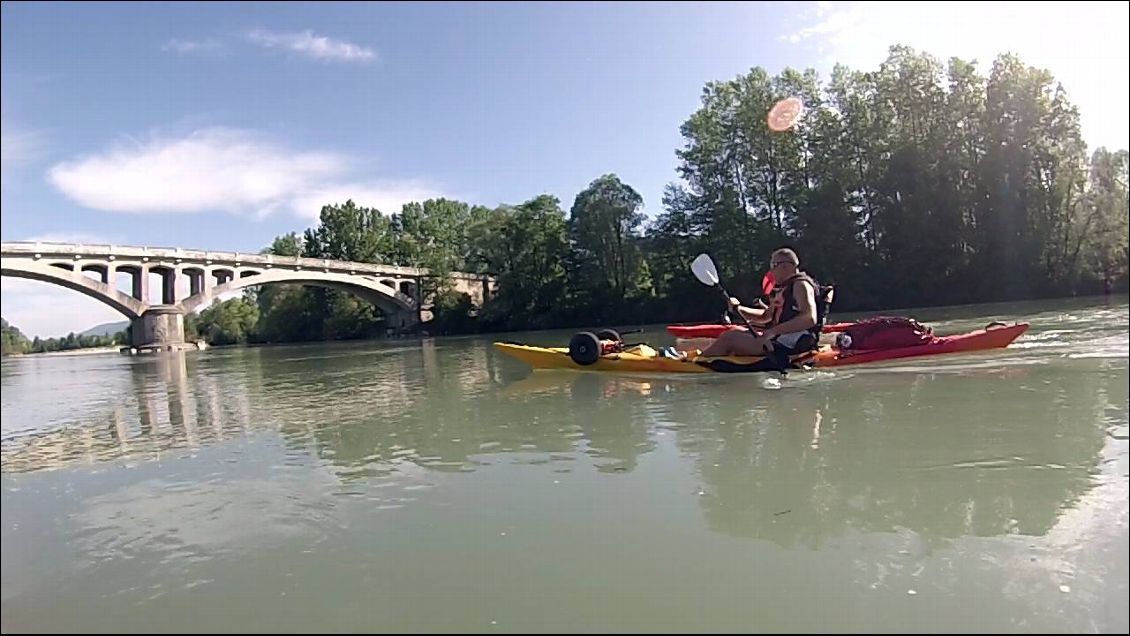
1084 45
19 148
835 24
386 196
306 43
207 45
220 169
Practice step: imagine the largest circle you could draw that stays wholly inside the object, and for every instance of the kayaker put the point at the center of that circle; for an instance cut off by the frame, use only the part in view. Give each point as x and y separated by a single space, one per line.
792 324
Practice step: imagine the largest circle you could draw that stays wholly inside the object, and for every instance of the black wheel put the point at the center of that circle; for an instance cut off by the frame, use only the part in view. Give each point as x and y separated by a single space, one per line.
609 334
584 348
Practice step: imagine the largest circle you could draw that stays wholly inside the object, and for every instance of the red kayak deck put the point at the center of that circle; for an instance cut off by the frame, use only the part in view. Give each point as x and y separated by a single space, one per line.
713 331
993 337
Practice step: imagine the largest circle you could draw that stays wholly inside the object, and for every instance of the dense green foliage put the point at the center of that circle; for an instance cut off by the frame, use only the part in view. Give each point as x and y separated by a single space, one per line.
13 342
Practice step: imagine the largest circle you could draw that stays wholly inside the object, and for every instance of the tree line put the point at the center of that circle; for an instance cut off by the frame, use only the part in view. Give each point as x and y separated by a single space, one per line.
14 342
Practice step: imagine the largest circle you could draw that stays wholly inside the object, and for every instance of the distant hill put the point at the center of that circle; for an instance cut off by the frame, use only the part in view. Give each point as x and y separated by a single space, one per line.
107 329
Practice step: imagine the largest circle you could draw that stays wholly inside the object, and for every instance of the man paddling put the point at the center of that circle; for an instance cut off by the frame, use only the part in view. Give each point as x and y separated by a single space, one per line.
792 319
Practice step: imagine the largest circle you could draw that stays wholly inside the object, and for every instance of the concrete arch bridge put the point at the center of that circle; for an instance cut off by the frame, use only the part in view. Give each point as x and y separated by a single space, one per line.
94 270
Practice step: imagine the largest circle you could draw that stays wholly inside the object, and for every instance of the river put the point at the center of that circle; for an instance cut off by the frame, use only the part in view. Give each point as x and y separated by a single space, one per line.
437 486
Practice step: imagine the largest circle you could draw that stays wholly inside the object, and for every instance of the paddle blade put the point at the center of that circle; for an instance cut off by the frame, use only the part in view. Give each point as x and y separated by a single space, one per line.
704 270
767 283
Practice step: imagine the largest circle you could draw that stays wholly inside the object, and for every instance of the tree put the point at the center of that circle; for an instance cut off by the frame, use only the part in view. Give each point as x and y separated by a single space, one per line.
12 341
228 322
350 233
526 248
604 228
286 245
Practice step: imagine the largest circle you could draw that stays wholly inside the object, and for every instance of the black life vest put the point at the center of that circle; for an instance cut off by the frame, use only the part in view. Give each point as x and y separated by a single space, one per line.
821 293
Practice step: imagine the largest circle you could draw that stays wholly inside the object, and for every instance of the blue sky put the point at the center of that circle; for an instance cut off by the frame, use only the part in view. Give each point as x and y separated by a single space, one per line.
219 126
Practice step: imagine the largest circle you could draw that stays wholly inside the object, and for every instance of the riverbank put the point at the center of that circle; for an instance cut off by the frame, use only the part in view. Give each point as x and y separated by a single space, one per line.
72 352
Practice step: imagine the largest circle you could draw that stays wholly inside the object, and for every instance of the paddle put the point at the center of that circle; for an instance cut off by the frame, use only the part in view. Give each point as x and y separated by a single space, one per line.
707 274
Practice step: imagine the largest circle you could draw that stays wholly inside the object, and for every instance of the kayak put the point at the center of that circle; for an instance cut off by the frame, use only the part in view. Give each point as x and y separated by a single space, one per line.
644 359
713 331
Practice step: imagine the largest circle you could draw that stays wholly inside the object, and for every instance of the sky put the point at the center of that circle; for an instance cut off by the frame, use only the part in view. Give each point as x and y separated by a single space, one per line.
219 126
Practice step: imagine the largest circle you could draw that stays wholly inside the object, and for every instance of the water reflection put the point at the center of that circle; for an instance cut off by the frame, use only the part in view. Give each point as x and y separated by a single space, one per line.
944 456
608 416
964 450
452 425
363 414
162 410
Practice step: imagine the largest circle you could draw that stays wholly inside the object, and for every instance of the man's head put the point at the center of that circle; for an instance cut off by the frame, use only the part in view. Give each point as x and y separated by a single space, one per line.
783 263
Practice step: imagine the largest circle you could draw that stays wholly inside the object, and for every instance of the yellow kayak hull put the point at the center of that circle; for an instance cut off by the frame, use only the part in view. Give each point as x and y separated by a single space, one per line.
641 359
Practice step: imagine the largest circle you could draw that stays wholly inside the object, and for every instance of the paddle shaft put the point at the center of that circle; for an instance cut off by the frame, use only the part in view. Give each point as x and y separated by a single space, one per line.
730 307
707 274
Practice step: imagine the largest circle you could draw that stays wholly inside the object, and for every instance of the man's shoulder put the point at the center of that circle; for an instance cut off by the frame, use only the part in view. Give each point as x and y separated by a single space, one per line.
804 279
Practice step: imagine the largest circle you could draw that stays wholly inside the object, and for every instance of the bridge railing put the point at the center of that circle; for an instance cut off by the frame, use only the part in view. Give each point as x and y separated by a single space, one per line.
177 255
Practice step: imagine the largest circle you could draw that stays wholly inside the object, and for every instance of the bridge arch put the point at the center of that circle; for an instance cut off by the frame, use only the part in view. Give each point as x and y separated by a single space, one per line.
57 274
385 297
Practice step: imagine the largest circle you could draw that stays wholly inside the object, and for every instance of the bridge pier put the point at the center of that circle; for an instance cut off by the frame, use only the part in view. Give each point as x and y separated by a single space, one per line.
402 322
160 328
